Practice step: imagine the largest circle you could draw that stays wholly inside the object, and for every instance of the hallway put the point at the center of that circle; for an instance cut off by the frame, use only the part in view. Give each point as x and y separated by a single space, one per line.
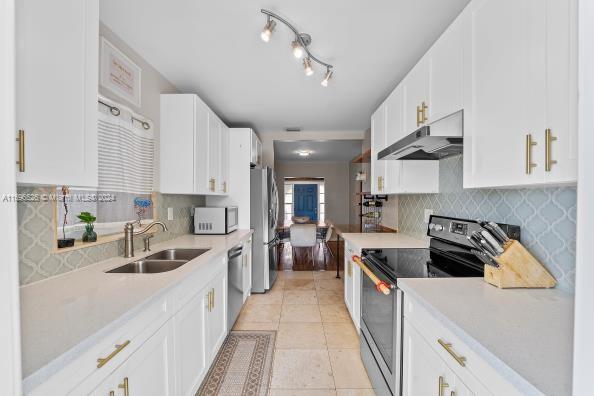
317 346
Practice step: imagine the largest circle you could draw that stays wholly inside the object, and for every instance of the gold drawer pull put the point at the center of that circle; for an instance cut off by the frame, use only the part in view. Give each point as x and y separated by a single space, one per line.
125 387
21 140
419 115
424 109
549 139
448 347
118 348
442 386
529 145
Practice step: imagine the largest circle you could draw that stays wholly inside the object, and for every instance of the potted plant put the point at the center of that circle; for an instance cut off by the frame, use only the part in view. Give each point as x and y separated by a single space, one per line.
65 242
89 235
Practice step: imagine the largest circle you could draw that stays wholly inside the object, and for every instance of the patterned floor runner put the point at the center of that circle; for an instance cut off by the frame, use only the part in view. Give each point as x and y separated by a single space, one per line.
243 365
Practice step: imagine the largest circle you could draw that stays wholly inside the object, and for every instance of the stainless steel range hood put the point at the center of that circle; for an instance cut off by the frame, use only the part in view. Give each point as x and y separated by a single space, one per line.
440 139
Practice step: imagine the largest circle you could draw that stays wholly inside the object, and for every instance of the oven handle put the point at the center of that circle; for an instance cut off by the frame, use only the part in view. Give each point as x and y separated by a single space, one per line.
380 285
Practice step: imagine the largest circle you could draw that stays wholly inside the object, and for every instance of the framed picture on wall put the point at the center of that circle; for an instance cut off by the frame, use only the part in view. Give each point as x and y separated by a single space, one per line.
119 74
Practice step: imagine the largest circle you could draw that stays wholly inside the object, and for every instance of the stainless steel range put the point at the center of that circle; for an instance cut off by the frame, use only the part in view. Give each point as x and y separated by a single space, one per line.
450 254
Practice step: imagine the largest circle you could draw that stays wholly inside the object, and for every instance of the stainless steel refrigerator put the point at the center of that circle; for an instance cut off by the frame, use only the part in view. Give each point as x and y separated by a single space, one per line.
264 220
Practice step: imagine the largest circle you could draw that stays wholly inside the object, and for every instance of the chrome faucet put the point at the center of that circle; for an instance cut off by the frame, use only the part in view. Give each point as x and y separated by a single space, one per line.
129 235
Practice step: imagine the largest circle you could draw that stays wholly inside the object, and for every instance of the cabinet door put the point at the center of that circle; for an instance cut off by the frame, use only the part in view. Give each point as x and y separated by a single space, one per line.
56 90
422 368
348 282
177 167
216 321
446 71
214 158
507 70
202 152
415 91
378 143
150 370
356 303
190 342
247 269
561 99
394 132
223 183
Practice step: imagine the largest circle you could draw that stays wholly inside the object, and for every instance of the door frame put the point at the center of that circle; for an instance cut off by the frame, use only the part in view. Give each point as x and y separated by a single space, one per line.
10 343
583 350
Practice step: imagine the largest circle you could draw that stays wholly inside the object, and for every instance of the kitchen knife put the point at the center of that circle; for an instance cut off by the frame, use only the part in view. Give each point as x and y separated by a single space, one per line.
485 245
499 231
484 257
492 241
474 243
494 233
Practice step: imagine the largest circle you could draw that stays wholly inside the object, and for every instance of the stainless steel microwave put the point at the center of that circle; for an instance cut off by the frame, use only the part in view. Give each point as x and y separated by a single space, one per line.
222 220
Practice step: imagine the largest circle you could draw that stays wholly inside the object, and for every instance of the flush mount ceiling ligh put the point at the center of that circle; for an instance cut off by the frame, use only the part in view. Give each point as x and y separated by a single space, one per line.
298 46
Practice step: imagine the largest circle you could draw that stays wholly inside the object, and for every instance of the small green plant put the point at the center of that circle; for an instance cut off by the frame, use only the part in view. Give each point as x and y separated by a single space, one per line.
87 217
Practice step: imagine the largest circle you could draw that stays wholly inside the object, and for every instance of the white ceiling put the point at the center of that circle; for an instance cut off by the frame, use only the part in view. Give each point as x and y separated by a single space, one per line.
213 48
321 151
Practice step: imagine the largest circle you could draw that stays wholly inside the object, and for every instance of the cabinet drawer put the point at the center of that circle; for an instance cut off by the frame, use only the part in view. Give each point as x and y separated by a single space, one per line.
84 373
459 357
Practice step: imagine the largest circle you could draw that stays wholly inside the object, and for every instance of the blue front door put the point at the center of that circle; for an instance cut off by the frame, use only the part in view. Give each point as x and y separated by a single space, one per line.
305 200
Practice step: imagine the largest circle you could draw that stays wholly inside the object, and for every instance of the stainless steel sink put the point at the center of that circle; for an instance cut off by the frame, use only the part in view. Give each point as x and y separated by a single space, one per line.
163 261
177 254
149 266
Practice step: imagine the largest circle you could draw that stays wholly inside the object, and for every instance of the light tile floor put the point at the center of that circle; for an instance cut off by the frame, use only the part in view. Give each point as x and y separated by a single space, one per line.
317 346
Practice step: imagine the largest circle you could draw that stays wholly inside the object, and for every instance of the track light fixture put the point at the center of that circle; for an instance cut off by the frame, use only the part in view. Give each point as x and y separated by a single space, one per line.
268 29
299 46
307 67
327 77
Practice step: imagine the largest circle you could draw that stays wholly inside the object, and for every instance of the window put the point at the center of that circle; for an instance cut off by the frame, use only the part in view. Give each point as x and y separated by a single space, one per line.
288 201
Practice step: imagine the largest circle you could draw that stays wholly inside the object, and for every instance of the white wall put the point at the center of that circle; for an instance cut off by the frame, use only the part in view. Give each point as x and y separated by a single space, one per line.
583 365
268 139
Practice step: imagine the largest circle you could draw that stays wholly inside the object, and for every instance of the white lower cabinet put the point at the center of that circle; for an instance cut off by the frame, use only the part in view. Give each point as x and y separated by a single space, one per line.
352 285
434 358
148 371
424 372
216 317
190 343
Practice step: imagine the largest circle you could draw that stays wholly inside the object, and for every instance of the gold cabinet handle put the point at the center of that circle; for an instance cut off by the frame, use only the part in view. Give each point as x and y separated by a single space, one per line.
111 393
350 269
452 393
212 184
213 298
442 386
21 140
419 115
224 187
125 387
424 109
118 348
529 144
549 139
209 303
448 347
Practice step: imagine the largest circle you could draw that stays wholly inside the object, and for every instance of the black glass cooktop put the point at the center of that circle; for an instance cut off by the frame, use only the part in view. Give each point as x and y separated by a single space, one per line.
424 263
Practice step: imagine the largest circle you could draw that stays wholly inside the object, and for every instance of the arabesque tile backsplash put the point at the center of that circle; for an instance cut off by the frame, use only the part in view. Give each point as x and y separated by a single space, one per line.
547 216
37 258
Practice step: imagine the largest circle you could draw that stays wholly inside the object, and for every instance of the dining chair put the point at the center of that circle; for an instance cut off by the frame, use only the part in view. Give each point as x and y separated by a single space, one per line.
323 239
303 236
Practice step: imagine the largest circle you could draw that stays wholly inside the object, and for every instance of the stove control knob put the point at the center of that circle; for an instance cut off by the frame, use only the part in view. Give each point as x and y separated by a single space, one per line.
431 226
438 227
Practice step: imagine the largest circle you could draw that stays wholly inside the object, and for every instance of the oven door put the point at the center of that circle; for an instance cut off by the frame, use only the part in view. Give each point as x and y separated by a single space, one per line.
381 325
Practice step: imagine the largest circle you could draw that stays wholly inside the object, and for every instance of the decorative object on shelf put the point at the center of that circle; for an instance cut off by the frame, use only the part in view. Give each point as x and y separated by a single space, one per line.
89 235
119 74
361 176
141 206
65 242
371 211
299 46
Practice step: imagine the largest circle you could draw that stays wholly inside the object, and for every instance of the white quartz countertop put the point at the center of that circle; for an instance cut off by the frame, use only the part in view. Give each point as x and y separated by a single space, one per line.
63 316
371 240
525 334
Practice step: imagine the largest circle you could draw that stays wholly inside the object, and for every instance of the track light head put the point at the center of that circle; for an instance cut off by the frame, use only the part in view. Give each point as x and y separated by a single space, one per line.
307 67
268 29
297 49
327 77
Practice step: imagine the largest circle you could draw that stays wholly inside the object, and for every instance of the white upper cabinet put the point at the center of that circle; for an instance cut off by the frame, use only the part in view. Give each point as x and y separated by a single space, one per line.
378 143
523 94
446 74
255 150
57 85
415 87
194 147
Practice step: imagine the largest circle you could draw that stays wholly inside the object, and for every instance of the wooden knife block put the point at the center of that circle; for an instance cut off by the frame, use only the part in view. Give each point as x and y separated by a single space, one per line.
518 269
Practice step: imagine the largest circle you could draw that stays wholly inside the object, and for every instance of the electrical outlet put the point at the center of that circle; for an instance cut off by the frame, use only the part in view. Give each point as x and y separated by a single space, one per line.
169 213
428 213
